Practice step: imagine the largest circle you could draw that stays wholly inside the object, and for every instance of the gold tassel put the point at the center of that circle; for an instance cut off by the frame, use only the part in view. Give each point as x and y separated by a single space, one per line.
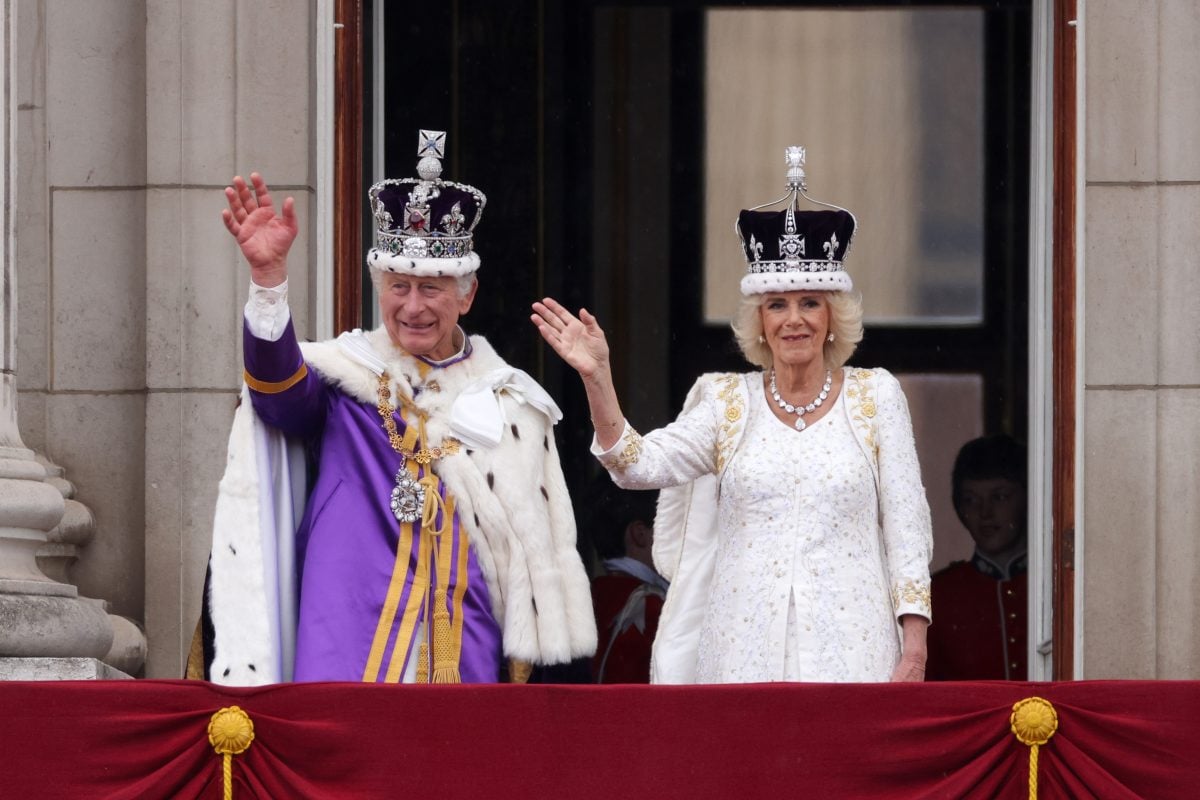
1033 722
230 732
445 661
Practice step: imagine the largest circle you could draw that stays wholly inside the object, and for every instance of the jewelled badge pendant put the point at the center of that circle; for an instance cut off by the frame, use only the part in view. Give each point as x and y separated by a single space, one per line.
408 496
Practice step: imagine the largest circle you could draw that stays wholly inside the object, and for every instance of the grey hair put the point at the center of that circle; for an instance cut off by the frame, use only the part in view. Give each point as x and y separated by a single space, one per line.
465 282
845 323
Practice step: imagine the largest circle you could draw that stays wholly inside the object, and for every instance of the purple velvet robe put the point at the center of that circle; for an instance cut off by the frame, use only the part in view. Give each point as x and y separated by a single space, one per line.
347 540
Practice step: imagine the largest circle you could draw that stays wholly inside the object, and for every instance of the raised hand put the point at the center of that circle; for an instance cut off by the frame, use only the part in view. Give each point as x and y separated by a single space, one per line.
263 236
579 341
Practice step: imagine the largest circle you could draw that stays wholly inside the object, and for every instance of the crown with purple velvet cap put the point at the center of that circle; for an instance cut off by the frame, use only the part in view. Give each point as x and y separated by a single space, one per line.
424 225
792 250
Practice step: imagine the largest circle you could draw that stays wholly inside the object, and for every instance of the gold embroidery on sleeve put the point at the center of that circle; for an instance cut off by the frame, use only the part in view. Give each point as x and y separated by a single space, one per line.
912 593
864 410
734 410
631 452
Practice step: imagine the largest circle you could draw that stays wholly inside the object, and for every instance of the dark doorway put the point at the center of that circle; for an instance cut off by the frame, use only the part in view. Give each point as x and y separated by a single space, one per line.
588 125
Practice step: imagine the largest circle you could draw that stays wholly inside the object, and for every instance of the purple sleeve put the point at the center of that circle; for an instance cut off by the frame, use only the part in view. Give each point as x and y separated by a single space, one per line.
284 398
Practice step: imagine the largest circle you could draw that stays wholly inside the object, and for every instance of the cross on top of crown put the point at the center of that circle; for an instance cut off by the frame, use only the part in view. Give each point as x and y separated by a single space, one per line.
431 147
432 143
794 156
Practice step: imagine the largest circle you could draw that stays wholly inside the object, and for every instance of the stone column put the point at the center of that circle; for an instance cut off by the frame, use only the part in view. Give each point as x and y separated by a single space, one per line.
39 617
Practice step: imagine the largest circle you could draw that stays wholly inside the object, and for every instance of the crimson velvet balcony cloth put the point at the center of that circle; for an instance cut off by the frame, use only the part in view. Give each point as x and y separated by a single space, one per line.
148 739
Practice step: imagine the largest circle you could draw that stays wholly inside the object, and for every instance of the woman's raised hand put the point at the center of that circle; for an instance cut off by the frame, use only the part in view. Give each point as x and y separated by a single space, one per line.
264 237
578 340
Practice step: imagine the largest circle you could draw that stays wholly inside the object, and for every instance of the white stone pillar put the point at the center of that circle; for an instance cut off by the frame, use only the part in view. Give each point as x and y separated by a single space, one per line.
38 616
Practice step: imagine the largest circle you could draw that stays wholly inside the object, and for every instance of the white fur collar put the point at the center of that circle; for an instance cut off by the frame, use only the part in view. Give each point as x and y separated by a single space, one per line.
335 364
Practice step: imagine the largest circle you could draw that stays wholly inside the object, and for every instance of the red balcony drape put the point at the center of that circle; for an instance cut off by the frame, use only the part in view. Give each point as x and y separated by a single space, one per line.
148 739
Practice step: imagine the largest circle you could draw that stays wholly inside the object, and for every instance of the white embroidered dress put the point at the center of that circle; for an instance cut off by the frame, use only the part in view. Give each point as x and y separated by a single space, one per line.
814 557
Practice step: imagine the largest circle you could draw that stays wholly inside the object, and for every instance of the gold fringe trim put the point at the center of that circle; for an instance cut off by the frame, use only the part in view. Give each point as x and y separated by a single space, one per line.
1033 722
230 732
275 387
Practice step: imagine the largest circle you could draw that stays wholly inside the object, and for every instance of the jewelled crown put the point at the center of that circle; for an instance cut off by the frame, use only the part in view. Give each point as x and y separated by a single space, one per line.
794 250
423 225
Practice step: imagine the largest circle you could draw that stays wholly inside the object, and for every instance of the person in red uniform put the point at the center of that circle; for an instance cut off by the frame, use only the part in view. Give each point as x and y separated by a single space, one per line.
979 629
628 595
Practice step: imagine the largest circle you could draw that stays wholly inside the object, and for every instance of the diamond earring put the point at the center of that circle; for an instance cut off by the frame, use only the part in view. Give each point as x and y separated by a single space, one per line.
829 338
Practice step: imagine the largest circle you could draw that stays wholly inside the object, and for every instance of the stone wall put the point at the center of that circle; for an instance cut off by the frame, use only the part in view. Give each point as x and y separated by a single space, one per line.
81 166
1141 567
129 317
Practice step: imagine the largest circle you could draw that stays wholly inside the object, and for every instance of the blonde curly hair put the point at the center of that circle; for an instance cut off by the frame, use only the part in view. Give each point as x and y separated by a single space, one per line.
845 323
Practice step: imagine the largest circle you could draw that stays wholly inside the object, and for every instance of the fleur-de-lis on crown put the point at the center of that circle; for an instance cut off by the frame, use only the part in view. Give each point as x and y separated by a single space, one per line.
831 247
755 248
383 220
453 222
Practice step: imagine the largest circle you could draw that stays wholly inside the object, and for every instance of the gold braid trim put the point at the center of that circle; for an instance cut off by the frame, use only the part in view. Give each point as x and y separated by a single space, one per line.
387 614
434 504
423 662
417 597
275 387
446 639
460 588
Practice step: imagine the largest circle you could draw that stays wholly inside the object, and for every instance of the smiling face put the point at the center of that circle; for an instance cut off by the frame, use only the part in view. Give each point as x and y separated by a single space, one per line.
421 314
993 511
795 325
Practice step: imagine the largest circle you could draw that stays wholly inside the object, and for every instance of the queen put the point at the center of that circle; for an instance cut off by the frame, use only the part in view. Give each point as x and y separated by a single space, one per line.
793 524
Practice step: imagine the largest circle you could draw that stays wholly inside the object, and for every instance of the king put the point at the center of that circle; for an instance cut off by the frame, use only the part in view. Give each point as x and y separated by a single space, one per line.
437 541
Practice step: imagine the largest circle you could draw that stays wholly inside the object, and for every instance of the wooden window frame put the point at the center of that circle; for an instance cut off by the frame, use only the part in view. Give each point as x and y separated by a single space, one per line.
348 88
1064 324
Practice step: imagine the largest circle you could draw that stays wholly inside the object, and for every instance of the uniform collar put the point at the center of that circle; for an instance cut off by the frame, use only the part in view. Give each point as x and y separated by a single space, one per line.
1001 572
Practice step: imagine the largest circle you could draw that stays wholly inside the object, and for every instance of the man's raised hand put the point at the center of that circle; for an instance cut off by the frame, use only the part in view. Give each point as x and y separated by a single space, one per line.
263 236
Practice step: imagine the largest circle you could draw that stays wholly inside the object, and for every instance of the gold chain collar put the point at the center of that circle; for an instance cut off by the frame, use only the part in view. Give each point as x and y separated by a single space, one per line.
423 456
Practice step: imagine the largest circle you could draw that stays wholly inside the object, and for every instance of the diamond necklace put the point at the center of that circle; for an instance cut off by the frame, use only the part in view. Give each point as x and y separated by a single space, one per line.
801 410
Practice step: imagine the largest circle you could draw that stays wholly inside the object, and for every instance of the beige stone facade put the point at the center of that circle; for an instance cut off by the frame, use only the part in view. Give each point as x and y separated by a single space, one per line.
1141 362
130 117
